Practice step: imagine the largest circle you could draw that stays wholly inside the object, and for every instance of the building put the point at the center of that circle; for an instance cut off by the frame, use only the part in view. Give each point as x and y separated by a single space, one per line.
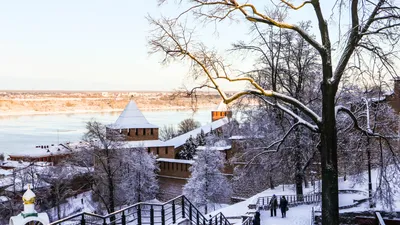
52 154
134 131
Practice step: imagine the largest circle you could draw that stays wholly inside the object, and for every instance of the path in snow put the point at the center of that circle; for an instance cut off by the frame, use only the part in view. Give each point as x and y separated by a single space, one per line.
299 215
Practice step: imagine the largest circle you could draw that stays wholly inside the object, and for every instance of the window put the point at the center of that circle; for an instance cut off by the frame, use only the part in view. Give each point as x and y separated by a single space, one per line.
144 131
136 132
158 150
148 150
129 132
166 150
151 131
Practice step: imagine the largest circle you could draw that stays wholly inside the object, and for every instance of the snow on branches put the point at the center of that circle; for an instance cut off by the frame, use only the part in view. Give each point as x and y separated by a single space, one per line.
207 185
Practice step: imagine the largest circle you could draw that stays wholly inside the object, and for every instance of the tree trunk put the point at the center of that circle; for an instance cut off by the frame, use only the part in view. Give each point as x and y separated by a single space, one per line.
271 182
299 186
330 200
110 189
305 181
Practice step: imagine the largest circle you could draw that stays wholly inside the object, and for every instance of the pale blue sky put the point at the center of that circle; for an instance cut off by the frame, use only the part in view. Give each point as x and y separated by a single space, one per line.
93 45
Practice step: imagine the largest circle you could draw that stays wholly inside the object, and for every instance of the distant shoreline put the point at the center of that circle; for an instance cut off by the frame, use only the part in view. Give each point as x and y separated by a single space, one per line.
35 113
13 104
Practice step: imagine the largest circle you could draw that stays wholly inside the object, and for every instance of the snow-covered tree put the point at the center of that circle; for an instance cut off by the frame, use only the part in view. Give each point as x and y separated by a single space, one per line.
59 177
189 149
201 138
207 185
140 176
119 175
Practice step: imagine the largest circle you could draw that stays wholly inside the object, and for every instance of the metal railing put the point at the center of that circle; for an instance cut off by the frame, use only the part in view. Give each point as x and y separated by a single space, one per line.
292 199
379 218
312 219
166 213
248 220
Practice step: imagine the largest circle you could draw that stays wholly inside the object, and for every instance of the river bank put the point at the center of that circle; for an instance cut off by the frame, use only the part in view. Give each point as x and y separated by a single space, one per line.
18 104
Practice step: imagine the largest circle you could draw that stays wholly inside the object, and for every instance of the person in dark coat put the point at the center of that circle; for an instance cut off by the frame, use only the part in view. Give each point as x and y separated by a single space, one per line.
273 204
283 206
257 220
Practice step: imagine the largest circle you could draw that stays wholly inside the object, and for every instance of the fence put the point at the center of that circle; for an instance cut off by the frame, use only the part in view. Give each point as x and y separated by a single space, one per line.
171 212
292 199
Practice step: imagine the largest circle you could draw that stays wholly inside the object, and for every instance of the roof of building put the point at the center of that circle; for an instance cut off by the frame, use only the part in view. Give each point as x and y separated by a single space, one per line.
145 144
220 145
49 150
131 117
181 139
184 161
222 107
215 148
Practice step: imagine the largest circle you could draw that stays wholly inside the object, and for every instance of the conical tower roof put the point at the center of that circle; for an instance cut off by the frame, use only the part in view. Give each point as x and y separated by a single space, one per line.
131 117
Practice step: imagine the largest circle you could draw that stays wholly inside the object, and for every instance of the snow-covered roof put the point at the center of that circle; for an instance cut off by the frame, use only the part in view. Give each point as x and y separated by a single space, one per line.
220 145
14 164
184 161
145 144
4 199
131 117
222 107
49 150
181 139
19 187
4 172
216 148
241 137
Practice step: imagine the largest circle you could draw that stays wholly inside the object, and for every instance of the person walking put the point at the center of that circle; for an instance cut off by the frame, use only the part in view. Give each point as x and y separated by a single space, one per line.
283 205
256 219
273 204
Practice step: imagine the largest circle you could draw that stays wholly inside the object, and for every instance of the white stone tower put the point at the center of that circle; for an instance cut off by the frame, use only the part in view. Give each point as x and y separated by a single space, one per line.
29 214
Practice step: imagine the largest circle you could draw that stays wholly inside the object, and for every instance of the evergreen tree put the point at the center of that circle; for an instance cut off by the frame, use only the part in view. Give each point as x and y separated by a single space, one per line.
207 185
189 149
201 139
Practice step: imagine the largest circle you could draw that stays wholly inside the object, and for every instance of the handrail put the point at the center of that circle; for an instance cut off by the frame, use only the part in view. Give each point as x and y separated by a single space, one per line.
248 221
380 219
292 199
176 211
312 220
144 203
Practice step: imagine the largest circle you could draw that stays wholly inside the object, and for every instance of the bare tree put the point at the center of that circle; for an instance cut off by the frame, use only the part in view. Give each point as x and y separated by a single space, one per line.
373 29
187 125
120 175
286 63
168 132
59 177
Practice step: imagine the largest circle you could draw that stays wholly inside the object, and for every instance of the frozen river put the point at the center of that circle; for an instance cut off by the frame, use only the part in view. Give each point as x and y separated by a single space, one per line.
23 133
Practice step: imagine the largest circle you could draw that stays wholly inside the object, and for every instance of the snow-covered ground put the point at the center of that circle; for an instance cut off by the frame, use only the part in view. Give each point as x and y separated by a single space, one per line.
299 215
302 214
81 203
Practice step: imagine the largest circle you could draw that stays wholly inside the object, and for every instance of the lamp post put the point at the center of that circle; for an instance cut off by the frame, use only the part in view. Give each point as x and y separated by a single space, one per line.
371 205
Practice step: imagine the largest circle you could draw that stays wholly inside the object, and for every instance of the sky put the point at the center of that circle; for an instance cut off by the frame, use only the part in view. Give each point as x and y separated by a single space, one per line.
97 45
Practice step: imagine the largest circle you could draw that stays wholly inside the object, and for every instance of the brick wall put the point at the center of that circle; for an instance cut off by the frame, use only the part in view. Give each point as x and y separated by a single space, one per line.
173 169
136 134
163 152
216 115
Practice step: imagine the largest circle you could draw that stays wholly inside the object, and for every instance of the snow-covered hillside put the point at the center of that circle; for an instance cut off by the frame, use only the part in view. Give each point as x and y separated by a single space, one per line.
302 214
